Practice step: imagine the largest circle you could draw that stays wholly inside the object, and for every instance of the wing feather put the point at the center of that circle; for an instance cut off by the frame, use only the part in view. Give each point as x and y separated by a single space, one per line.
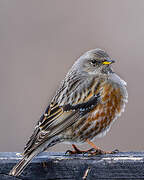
73 99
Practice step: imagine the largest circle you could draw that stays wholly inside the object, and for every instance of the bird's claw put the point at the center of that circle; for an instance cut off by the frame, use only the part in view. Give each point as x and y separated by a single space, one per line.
93 152
90 152
77 151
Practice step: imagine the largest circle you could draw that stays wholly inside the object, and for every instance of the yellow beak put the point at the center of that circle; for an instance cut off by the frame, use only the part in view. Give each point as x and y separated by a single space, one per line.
108 61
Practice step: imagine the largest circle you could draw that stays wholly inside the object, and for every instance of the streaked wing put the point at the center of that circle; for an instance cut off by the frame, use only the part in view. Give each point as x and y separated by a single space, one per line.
77 90
73 99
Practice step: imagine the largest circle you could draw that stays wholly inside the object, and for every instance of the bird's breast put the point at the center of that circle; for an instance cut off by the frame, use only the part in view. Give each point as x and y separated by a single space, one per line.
111 104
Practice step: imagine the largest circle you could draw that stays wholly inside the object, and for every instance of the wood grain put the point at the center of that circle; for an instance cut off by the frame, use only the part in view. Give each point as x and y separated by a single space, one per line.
126 165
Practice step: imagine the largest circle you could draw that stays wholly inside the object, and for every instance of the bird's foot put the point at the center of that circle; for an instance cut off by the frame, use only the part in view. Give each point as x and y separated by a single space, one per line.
97 151
77 151
93 152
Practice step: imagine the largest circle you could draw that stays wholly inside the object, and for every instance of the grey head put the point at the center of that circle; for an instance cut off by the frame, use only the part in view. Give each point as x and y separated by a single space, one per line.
94 62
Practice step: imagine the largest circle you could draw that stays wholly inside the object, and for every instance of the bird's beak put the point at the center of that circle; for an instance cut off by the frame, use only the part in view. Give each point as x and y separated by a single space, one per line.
108 61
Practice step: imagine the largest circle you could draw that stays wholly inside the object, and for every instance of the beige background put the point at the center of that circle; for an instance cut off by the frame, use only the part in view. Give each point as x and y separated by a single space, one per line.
40 40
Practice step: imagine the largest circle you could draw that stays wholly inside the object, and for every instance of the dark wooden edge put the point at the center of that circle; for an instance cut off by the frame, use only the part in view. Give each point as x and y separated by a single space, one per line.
126 165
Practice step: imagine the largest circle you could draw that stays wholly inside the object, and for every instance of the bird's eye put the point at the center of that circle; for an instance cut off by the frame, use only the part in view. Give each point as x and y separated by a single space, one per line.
93 61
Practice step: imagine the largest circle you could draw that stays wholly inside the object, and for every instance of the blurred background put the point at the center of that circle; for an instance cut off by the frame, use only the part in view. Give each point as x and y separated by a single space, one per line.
40 40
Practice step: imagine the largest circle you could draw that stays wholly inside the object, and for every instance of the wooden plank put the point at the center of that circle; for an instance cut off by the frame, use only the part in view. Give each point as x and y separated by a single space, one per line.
127 165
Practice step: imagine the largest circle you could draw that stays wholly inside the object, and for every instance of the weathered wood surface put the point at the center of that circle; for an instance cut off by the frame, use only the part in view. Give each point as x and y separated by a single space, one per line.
128 165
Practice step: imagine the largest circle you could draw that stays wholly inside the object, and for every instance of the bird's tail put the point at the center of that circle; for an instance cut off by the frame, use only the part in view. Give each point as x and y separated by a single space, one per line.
21 165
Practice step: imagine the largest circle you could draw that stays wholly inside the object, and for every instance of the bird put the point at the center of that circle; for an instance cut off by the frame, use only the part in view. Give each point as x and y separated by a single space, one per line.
89 99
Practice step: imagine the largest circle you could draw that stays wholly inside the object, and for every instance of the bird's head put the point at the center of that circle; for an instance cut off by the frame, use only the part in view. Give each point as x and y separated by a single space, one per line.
95 61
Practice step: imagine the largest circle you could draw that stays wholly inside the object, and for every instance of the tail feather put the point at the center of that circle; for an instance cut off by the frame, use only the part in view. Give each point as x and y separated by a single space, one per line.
29 155
21 165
